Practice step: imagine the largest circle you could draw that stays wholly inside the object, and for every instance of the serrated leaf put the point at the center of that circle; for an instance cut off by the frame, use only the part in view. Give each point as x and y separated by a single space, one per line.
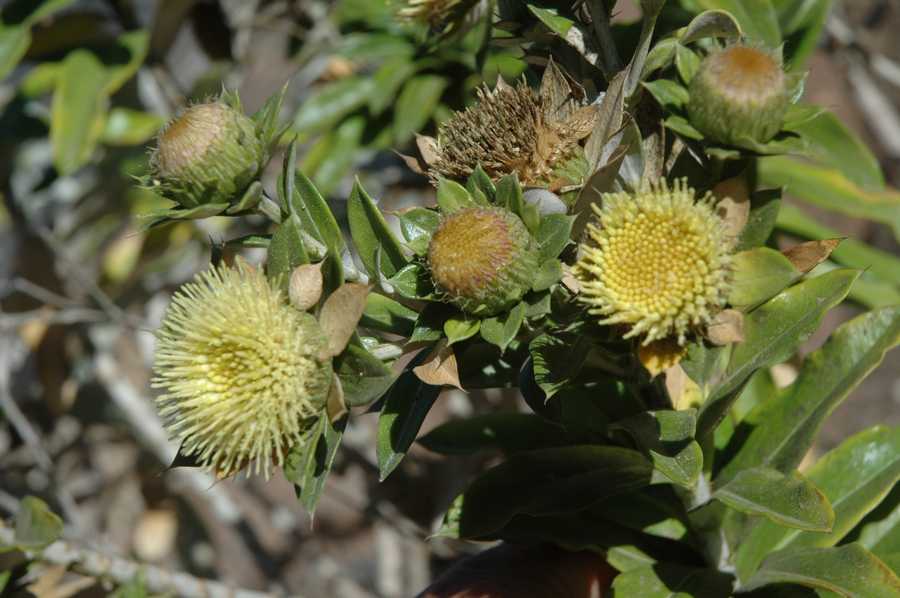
405 407
759 274
370 232
772 332
789 500
848 570
502 329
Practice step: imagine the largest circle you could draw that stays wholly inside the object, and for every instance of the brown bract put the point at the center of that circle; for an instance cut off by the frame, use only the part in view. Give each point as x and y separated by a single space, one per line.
514 129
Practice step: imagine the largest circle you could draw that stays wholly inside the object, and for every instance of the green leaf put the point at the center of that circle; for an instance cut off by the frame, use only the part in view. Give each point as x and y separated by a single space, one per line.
417 226
557 360
764 210
14 42
547 275
389 78
670 94
772 332
332 103
318 220
266 118
130 127
78 111
711 23
509 432
363 376
547 481
509 195
452 197
337 153
784 427
136 588
687 62
671 581
759 274
848 570
36 526
416 104
788 500
413 282
557 23
405 407
759 23
680 125
554 234
500 330
832 144
829 189
286 251
879 532
667 437
309 462
370 232
855 477
136 43
461 328
384 314
479 181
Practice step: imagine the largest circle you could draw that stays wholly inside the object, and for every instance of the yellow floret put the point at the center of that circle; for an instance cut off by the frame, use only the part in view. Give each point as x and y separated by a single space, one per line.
657 260
240 369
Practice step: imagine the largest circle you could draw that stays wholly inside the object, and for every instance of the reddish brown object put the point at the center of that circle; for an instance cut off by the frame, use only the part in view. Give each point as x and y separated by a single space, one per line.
510 571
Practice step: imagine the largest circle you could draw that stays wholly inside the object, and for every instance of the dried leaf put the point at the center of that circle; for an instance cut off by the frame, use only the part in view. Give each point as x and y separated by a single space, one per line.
569 281
807 256
726 328
417 165
683 392
428 147
733 207
439 368
335 405
305 287
341 313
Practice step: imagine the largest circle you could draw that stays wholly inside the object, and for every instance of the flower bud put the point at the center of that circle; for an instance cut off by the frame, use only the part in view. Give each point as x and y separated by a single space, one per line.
483 259
242 373
739 93
208 154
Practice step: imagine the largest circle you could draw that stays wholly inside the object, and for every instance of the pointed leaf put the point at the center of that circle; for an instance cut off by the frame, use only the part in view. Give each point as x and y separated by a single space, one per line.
665 580
788 500
384 314
501 330
848 570
370 232
36 526
759 274
308 464
363 376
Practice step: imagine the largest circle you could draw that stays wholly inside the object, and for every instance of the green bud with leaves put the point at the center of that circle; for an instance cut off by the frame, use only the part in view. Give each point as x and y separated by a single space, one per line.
483 259
739 93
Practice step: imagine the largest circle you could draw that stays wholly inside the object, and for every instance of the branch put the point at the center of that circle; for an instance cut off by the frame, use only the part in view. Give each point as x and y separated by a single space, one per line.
122 571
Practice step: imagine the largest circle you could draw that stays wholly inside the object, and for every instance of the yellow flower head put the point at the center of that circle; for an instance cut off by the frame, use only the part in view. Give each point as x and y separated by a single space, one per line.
241 371
658 261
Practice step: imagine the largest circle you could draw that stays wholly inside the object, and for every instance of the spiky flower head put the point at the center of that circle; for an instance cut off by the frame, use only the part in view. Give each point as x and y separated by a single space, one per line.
739 93
511 130
208 154
483 259
657 261
242 373
437 14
